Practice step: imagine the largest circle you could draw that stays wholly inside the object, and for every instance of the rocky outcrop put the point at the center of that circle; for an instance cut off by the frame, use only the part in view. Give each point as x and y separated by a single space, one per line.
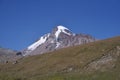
106 62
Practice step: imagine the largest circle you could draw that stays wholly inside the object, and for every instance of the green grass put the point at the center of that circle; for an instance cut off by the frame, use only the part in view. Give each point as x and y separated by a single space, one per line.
67 76
56 65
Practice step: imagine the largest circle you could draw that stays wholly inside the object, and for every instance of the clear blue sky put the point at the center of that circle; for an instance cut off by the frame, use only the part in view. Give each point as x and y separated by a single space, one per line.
24 21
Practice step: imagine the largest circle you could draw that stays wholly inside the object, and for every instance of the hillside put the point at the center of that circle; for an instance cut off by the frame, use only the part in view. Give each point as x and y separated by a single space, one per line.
98 60
7 55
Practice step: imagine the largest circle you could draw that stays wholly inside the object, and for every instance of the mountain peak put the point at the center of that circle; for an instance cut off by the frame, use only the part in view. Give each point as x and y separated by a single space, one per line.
60 37
62 29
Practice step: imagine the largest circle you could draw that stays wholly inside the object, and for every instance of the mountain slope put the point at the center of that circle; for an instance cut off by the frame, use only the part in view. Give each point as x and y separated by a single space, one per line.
7 55
98 60
60 37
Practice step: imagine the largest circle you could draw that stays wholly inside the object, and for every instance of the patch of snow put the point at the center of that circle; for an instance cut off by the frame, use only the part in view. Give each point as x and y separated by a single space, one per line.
39 42
61 29
57 45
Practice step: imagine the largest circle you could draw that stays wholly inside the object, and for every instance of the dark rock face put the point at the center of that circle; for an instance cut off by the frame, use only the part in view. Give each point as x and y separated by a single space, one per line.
19 53
60 37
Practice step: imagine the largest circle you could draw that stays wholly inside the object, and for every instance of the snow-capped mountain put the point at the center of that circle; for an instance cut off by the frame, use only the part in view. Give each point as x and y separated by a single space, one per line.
60 37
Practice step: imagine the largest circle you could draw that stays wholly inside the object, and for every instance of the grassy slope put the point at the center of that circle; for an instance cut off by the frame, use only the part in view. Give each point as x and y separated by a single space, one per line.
63 64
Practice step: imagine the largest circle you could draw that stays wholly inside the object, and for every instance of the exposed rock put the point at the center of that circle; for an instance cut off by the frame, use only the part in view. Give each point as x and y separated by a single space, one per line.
19 53
107 61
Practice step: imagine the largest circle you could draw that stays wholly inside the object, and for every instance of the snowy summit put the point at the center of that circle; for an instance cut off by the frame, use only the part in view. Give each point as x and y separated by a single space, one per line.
61 29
